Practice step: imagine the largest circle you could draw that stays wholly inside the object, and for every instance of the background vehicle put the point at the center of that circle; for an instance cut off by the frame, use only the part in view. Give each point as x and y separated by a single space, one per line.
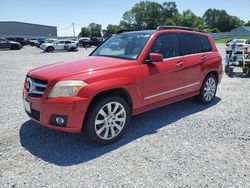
241 44
66 45
238 60
145 70
32 42
87 42
4 43
21 40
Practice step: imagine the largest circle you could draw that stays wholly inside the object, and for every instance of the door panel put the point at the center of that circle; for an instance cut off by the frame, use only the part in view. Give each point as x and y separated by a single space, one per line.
162 80
193 69
193 58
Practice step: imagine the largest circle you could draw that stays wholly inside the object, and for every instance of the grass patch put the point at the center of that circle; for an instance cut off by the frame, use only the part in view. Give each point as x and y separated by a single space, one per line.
224 40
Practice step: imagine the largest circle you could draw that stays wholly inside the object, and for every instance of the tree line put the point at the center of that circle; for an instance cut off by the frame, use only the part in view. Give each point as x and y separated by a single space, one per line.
149 15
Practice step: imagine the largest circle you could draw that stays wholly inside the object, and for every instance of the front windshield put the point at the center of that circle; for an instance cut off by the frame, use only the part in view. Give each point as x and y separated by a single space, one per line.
125 45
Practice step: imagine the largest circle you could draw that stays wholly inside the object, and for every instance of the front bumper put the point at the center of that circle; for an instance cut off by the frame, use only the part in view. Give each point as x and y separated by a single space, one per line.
42 110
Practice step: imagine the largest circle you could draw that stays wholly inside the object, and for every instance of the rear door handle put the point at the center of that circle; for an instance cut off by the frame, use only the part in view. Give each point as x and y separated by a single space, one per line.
179 64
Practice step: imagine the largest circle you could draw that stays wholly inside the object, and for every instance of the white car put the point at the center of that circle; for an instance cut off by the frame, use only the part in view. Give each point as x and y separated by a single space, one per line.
241 44
60 45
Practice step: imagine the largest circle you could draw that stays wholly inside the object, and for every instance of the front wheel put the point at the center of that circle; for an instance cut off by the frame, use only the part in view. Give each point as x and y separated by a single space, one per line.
208 89
107 119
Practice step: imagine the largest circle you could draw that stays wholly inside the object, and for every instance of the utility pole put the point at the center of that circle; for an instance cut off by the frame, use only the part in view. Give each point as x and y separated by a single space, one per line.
73 24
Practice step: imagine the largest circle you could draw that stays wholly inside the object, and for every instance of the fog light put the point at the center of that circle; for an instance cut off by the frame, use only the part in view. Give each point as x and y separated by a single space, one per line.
59 120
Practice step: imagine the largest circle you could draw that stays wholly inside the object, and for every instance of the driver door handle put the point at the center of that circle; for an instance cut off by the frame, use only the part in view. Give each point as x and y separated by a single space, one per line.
179 64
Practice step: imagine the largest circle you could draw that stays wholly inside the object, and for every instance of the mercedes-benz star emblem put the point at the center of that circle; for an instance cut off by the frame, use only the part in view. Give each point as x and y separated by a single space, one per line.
29 85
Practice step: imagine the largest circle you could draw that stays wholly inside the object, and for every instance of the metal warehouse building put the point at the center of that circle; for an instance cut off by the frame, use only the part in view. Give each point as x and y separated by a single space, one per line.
28 30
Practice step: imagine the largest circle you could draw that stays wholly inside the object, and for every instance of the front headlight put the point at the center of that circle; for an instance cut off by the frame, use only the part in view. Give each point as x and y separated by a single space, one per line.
67 88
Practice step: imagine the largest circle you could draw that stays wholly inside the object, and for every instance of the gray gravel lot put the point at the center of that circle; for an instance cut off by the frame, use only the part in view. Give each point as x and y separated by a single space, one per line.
185 144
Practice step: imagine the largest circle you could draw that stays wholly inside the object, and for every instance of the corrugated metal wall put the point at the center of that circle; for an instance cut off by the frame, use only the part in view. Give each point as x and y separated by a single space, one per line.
26 30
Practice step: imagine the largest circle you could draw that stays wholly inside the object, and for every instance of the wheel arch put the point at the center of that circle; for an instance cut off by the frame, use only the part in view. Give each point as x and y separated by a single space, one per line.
213 72
118 91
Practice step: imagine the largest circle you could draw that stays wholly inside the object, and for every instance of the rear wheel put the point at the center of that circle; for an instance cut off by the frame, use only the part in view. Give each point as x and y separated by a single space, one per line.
208 89
14 47
107 119
50 49
246 71
226 68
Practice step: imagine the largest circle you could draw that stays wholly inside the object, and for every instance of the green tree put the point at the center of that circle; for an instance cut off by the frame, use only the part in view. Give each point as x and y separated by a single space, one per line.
85 32
201 26
95 30
220 19
189 19
144 15
110 30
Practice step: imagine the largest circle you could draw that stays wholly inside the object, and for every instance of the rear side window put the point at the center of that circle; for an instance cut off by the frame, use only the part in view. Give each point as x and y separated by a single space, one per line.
190 44
167 45
205 44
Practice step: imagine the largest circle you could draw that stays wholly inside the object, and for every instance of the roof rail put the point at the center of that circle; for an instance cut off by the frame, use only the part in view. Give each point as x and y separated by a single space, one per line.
125 30
179 27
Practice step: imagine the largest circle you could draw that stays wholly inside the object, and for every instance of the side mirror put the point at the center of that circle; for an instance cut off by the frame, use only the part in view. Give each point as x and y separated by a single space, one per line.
155 57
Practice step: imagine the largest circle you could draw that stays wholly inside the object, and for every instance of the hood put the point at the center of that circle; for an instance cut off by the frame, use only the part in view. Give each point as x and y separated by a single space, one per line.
75 69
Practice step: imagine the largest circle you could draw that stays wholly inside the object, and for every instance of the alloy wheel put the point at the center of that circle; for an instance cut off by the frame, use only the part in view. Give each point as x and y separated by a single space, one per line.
110 120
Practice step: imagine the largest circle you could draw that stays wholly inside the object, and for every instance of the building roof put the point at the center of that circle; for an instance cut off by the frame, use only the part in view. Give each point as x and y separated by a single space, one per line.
16 22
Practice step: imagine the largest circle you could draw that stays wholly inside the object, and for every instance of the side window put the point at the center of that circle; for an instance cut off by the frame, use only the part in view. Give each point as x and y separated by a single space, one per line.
167 45
205 44
248 42
190 44
67 42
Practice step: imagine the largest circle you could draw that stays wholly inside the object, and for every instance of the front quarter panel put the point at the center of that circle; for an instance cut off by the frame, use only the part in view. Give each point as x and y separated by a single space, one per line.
128 79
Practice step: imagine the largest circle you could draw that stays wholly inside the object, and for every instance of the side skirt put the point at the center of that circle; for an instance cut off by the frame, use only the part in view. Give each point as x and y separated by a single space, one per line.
165 102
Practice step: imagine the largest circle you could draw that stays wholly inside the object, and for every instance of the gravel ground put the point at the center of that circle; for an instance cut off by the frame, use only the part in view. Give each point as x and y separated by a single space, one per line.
185 144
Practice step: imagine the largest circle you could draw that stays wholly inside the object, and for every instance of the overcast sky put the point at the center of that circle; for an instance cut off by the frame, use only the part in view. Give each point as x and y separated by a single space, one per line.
82 12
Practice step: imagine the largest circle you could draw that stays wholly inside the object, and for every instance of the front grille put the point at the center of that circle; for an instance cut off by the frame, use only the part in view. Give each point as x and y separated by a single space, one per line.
34 114
35 87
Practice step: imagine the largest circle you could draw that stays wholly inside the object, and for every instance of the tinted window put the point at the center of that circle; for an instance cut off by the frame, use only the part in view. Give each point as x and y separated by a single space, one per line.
67 42
205 44
167 45
190 44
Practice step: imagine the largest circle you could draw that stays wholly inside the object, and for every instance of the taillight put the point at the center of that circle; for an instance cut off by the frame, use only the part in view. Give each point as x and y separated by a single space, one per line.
239 45
227 44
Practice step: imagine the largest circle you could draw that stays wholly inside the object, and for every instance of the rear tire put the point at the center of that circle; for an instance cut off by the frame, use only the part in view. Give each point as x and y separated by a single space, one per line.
14 47
107 119
226 68
50 49
246 71
208 89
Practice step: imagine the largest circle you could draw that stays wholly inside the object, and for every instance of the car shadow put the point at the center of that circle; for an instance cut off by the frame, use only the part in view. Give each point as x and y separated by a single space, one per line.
65 149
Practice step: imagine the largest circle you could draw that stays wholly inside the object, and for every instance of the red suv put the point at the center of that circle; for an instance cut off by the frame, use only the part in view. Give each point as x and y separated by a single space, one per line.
130 73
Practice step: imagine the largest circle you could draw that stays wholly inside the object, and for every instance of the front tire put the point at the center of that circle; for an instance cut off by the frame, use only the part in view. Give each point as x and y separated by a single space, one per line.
107 119
208 89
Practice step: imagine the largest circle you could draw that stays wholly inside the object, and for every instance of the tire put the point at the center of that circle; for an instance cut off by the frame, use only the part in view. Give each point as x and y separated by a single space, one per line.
107 119
226 68
12 47
246 71
50 49
208 89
